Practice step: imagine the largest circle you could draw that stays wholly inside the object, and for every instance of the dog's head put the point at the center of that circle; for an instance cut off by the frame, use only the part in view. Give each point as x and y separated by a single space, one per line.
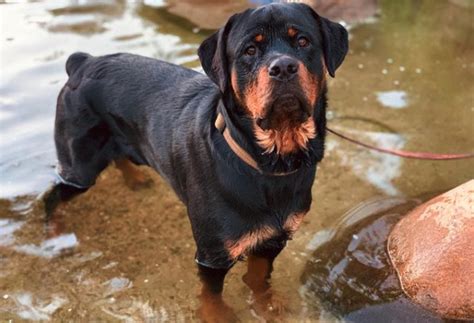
273 61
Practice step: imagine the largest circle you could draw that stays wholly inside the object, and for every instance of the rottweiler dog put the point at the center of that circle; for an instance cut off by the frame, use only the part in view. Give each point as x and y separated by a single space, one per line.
239 146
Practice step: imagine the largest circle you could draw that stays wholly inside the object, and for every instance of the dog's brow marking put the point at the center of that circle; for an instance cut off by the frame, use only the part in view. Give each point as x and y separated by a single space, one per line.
259 38
292 32
249 241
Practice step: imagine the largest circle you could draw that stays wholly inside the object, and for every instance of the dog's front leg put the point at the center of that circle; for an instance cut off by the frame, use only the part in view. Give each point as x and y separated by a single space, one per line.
267 303
213 308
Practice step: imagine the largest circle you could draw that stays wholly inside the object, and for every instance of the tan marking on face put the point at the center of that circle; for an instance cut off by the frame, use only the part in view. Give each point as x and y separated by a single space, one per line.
292 32
259 38
293 222
249 241
325 70
309 84
258 93
234 83
287 140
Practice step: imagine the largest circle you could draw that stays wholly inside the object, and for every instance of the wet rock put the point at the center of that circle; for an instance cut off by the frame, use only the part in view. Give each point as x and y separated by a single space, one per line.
463 3
399 310
348 11
206 14
351 276
432 250
199 11
84 17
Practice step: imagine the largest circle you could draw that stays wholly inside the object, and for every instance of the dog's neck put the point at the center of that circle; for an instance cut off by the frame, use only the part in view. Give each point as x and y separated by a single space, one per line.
242 130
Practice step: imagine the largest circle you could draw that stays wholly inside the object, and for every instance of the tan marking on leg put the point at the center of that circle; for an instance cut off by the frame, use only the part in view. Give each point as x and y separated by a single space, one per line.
258 273
267 303
213 308
249 241
133 176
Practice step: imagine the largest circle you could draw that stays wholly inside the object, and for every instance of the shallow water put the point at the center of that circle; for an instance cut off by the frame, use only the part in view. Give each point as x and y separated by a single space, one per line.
407 83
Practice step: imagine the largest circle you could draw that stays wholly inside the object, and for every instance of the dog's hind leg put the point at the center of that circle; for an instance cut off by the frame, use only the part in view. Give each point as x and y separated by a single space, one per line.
84 147
134 177
59 194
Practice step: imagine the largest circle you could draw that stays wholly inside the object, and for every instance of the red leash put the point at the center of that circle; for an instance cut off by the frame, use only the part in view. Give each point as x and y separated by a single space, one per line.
404 153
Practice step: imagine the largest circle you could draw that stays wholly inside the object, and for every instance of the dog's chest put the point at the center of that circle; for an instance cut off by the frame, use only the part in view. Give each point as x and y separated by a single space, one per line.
261 234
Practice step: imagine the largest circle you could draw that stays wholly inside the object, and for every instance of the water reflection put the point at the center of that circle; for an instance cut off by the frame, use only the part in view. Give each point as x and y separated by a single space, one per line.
393 99
29 307
378 169
7 230
51 247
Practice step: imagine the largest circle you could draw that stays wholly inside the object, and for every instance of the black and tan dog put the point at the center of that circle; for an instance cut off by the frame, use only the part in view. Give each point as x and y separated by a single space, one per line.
239 146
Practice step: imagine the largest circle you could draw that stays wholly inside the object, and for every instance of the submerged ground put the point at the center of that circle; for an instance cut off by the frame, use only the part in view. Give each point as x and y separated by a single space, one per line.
407 83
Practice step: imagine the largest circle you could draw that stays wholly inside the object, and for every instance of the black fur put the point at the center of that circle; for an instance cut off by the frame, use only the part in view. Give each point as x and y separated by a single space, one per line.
162 115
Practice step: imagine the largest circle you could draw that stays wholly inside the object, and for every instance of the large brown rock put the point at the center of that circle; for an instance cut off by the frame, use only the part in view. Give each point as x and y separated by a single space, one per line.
432 250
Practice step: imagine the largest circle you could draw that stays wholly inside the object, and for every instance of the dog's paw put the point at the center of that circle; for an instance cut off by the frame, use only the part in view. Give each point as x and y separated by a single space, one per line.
215 310
269 306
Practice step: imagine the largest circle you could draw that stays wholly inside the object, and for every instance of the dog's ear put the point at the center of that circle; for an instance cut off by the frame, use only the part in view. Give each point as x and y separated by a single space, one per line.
213 56
335 44
335 41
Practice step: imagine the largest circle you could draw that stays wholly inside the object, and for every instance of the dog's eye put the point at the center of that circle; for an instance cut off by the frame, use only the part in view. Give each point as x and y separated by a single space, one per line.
303 41
251 50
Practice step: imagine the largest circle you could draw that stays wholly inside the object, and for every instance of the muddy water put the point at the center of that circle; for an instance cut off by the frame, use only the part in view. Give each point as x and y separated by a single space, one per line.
407 83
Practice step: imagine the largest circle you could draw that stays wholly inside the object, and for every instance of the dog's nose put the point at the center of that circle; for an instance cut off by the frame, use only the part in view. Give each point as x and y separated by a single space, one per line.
283 68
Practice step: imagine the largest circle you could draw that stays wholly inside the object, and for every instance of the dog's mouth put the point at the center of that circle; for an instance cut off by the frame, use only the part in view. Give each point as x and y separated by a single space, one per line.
286 111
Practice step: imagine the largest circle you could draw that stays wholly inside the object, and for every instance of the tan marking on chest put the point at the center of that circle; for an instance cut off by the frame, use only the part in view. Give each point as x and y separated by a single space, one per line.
249 241
254 238
293 222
